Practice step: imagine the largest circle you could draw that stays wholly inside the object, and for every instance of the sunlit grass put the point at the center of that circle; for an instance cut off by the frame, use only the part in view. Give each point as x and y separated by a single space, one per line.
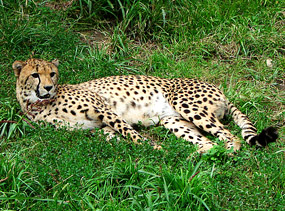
222 42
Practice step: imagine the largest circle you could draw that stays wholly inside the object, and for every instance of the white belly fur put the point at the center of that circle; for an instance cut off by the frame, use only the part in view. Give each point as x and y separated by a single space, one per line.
157 109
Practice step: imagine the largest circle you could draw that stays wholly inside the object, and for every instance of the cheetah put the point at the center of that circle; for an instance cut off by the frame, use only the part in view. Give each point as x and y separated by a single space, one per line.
186 107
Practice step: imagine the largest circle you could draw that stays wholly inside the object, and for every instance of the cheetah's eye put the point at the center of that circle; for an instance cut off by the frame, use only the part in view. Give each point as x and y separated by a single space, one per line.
35 75
52 74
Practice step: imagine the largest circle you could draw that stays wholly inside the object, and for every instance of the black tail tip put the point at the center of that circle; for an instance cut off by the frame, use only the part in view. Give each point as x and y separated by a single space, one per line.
266 136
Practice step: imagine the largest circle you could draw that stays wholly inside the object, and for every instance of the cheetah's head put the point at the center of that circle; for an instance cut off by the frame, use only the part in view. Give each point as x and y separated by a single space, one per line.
36 79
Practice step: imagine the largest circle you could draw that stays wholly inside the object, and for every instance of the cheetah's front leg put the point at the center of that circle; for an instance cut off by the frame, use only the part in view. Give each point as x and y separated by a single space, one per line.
116 123
188 131
109 132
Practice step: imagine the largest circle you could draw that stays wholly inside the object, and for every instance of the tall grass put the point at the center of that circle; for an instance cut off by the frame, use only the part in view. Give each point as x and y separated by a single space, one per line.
138 188
221 21
12 123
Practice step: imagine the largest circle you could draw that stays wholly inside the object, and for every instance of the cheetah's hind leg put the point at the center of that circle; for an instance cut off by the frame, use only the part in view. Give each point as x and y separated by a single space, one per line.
188 131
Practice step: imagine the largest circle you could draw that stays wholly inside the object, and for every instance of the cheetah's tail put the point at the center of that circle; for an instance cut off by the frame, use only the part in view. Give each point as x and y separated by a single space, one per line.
249 132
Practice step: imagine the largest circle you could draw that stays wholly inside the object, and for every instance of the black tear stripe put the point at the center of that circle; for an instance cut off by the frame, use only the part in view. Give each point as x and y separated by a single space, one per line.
38 86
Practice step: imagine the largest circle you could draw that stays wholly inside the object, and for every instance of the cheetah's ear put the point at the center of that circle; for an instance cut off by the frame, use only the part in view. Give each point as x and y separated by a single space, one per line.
55 62
17 67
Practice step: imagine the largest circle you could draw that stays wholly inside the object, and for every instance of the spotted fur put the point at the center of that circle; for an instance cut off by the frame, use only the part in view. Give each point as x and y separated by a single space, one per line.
184 106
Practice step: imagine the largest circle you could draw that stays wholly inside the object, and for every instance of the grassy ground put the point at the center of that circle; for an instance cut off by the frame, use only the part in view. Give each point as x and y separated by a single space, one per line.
237 45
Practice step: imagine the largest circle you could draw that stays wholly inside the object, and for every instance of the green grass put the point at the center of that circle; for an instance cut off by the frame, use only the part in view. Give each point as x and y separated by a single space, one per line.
222 42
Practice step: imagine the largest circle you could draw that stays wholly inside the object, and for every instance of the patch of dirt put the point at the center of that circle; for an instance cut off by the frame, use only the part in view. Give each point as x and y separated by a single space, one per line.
226 51
97 38
59 5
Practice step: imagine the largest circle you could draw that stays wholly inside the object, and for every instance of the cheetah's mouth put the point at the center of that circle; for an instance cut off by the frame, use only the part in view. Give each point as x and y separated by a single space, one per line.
44 96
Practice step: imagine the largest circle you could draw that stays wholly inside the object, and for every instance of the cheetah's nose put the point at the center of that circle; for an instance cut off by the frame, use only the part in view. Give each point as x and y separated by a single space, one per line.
48 88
